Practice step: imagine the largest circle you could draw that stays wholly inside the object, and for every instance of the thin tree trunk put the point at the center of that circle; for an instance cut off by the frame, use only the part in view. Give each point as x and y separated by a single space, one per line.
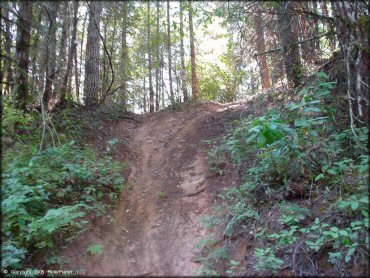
157 64
162 81
169 51
192 54
8 43
104 62
151 91
124 56
51 52
260 41
59 73
144 101
182 53
77 82
91 83
35 81
71 55
82 44
289 40
22 53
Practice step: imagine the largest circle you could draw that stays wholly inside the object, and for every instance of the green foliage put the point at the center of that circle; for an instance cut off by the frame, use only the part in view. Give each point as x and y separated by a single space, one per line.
12 255
95 249
299 143
45 195
266 260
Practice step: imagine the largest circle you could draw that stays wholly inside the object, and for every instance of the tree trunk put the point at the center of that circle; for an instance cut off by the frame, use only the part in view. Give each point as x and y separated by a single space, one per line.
157 63
23 52
51 52
162 81
77 82
91 83
169 51
72 53
60 67
260 42
192 54
144 90
351 20
124 56
182 53
82 46
151 91
289 41
8 43
104 77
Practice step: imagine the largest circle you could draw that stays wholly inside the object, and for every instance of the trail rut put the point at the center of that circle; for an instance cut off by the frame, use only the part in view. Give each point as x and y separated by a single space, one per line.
157 223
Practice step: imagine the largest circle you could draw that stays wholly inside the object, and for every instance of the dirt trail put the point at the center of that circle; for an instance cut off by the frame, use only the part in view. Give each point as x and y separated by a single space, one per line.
157 224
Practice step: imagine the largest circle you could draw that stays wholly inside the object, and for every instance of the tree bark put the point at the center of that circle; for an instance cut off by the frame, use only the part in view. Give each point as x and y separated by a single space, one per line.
52 12
351 20
161 77
22 53
169 51
183 75
151 91
72 53
124 56
289 41
60 67
260 43
157 64
8 43
91 83
192 54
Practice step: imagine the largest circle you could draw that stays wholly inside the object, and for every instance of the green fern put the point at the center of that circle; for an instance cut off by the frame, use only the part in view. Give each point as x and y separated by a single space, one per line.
54 219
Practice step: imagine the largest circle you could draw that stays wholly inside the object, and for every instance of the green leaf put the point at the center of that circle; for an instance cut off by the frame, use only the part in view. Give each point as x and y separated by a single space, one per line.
354 205
332 172
311 109
349 254
301 122
319 177
95 249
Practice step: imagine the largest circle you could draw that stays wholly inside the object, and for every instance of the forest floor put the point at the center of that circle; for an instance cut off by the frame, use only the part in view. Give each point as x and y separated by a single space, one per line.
157 221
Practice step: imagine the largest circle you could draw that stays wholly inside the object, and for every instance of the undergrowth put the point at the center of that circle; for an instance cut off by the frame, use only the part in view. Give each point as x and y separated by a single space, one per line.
304 198
47 194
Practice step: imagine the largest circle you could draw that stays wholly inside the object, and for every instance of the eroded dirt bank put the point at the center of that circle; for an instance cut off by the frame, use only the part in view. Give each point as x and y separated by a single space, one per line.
157 222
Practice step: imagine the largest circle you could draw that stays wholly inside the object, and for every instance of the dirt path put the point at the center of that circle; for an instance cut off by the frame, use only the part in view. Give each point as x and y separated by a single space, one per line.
157 224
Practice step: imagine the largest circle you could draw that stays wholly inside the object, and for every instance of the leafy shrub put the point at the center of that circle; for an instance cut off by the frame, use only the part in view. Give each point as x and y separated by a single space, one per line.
45 197
301 143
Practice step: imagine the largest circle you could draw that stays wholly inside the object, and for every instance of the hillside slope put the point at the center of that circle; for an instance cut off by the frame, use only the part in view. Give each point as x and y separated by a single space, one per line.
158 219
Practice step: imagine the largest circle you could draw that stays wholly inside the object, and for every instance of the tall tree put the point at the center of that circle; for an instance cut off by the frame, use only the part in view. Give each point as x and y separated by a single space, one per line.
157 62
124 56
169 51
91 83
72 53
22 48
289 41
182 54
151 91
260 43
8 43
192 54
353 37
61 64
52 11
